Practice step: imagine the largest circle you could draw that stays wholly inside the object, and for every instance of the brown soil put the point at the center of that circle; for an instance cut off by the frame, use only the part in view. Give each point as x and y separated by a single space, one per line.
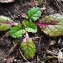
9 51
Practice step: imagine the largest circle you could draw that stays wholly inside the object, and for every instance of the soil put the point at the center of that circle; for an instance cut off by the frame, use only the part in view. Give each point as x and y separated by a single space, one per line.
46 46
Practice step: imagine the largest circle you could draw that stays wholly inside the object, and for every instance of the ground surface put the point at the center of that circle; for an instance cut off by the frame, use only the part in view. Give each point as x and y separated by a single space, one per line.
45 45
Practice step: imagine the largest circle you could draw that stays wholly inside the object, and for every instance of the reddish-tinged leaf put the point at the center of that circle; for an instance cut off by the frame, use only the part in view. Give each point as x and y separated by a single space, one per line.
42 24
9 23
52 25
6 23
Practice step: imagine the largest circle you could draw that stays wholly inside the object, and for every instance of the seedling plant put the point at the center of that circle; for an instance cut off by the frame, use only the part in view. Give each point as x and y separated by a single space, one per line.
28 25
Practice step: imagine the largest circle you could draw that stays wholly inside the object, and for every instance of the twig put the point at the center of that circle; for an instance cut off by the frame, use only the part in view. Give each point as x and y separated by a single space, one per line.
23 55
39 48
52 53
35 37
12 48
50 57
5 35
57 4
9 13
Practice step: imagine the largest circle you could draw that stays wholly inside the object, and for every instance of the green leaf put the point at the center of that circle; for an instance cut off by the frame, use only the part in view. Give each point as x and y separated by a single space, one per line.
4 27
5 19
5 23
40 1
17 31
28 49
30 26
52 25
33 14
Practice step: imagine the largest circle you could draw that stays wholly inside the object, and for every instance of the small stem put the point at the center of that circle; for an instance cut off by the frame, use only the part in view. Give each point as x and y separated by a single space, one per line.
27 37
42 24
58 61
23 56
50 57
10 23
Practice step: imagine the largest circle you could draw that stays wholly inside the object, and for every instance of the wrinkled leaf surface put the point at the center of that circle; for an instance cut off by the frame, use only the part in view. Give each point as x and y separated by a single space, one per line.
17 31
5 23
30 26
28 49
33 14
52 25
